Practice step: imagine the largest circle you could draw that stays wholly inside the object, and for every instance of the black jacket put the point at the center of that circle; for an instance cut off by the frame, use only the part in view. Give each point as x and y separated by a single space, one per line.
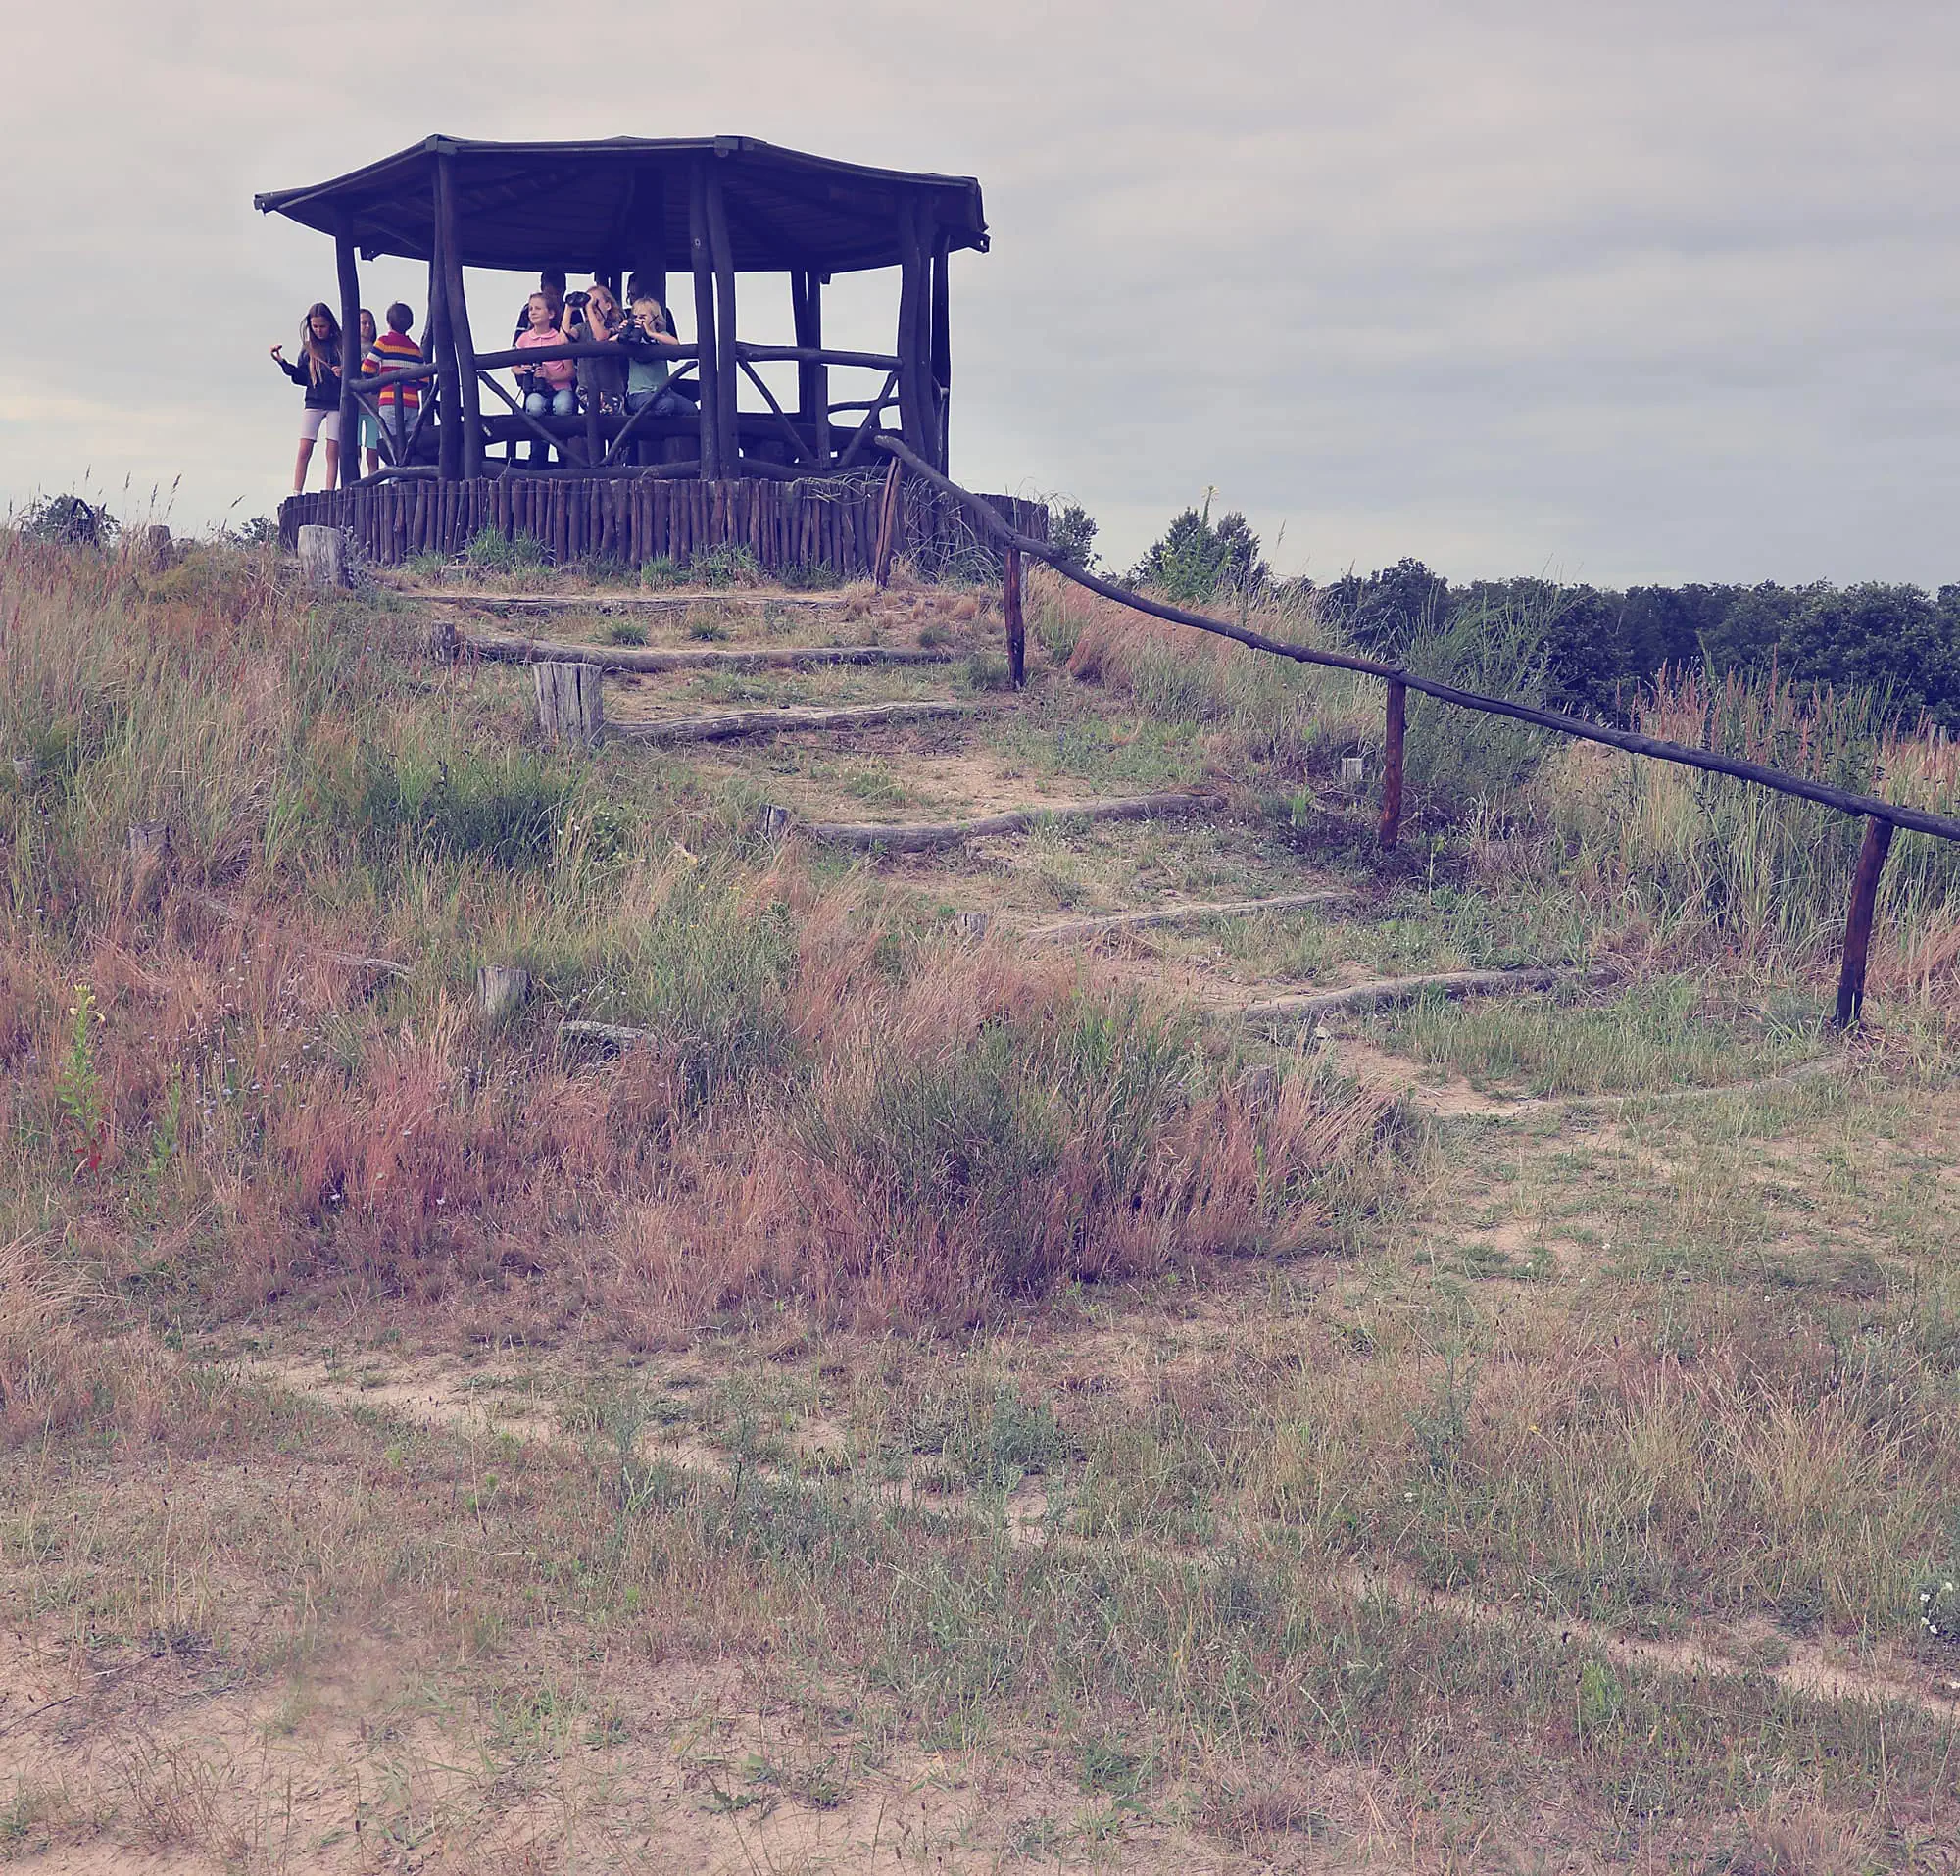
321 396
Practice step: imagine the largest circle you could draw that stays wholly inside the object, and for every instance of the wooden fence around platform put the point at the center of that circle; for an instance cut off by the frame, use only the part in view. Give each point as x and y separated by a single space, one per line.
784 526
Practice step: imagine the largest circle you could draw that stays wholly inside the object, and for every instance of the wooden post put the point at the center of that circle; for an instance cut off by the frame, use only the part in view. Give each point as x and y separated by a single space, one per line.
941 350
150 855
151 548
468 407
888 522
813 375
1011 609
1391 766
1858 924
502 989
912 373
322 553
349 349
449 426
723 252
708 372
571 705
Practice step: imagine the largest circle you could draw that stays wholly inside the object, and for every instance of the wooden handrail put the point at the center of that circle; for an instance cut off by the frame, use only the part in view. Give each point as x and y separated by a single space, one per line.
1881 817
814 354
1945 826
528 355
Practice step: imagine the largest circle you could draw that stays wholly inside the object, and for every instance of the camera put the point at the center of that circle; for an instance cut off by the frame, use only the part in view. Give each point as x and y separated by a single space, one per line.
578 299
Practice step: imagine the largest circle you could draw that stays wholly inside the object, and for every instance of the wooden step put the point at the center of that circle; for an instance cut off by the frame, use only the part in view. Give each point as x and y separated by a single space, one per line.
1380 990
728 724
511 649
906 837
1097 927
619 602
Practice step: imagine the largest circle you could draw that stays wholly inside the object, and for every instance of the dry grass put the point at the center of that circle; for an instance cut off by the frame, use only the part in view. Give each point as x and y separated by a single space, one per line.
922 1383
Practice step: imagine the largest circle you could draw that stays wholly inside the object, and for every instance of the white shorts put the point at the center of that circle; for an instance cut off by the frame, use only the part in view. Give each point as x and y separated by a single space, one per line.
321 423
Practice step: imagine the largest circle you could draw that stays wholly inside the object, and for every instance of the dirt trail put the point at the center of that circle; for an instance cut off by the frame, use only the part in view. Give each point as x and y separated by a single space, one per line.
443 1398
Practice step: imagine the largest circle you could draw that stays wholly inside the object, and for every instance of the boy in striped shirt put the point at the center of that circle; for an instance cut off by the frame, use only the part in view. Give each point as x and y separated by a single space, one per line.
390 351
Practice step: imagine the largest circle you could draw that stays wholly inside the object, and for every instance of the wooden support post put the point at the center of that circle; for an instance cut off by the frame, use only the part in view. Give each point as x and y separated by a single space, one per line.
887 524
1391 766
701 255
724 306
941 350
1858 924
502 989
349 349
449 387
322 553
468 407
914 375
571 707
813 375
1011 609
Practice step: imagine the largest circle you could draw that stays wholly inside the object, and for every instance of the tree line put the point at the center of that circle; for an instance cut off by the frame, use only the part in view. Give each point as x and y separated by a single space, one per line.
1591 647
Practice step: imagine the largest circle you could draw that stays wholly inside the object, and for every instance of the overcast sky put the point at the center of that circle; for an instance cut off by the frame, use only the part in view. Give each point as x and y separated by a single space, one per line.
1617 292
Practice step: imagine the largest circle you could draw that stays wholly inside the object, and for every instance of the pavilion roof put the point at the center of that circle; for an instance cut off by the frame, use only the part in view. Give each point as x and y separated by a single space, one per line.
587 206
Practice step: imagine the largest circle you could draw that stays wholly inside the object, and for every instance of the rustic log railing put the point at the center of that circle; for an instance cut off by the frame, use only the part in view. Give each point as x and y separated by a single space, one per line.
1882 818
811 450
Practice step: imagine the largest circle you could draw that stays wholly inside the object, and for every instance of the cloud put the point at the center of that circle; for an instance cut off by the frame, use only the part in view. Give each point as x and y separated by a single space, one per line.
1663 292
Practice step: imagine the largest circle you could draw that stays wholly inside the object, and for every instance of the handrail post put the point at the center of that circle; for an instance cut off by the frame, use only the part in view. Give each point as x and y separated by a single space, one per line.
1872 854
348 418
1010 610
702 258
1392 765
888 520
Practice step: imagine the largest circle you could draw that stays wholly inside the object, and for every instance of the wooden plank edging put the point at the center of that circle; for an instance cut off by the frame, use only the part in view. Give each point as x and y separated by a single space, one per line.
907 837
726 725
1185 914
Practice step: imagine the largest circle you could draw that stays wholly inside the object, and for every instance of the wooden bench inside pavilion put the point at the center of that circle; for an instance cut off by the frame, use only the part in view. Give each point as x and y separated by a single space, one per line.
709 215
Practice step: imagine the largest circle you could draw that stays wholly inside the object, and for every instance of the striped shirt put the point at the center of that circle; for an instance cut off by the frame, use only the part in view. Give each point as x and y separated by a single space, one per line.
389 353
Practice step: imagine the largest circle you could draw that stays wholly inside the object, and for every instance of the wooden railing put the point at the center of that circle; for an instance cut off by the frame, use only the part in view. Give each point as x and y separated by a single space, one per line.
1882 818
809 439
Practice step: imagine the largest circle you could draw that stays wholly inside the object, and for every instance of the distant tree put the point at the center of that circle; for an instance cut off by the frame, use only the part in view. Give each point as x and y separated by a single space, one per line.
1196 557
1386 613
1072 531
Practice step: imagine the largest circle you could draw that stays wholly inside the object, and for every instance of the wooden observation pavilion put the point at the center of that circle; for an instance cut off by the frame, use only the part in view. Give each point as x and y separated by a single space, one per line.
792 479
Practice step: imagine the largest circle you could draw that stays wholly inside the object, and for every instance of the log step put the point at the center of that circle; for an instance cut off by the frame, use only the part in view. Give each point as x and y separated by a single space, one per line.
726 725
619 602
511 649
1381 990
907 837
1183 915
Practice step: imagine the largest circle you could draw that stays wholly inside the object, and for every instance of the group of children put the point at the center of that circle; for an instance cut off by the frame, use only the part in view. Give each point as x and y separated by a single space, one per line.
318 372
637 380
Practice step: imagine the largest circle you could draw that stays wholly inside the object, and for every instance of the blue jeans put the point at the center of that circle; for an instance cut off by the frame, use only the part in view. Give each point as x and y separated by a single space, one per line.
563 402
663 404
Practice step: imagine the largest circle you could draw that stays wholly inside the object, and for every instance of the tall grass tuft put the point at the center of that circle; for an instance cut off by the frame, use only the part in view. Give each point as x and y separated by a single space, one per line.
1762 871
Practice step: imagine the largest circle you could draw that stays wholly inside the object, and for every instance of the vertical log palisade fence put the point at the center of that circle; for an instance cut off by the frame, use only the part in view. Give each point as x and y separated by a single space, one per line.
1883 819
849 527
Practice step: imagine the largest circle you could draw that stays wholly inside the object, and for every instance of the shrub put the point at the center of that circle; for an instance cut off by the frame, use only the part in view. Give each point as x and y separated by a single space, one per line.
491 550
1196 557
505 808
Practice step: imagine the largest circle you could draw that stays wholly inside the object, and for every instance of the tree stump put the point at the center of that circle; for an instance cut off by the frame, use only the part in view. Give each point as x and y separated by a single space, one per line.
1353 771
971 926
324 556
502 989
444 642
571 705
149 861
152 549
772 822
